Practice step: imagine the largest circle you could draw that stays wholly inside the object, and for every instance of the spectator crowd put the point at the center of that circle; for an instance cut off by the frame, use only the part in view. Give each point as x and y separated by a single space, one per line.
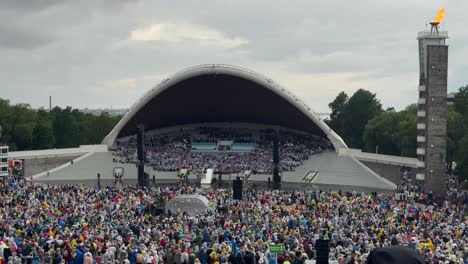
80 225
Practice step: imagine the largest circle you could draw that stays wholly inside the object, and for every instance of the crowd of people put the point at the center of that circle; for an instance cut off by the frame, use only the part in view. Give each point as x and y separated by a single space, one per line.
174 152
456 190
81 225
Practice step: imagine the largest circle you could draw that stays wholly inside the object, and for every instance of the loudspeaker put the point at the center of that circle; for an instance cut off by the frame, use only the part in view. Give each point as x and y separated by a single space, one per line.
237 184
141 175
237 189
141 156
141 143
276 158
276 178
323 248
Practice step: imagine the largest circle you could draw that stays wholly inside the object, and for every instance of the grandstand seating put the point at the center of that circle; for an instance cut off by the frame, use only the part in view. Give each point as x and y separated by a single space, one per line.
226 150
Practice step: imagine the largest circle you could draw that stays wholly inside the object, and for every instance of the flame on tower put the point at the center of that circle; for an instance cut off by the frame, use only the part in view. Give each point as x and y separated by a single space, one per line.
440 16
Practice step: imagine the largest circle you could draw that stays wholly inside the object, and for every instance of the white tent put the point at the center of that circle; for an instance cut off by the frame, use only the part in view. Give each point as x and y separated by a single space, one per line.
192 204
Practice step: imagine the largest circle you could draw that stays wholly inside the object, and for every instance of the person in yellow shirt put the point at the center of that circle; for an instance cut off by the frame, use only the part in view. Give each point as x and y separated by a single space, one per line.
431 245
73 243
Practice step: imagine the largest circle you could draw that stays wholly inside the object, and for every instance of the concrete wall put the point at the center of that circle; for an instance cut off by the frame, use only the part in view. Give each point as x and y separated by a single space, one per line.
38 165
60 152
389 172
379 158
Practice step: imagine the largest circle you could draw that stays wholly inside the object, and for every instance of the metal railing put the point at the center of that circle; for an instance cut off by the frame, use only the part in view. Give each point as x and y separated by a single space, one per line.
428 33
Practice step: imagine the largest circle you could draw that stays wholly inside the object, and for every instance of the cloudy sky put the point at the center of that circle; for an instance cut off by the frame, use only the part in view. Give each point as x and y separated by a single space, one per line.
107 53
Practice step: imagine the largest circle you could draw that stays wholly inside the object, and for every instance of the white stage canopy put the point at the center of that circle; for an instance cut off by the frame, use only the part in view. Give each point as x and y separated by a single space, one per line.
192 204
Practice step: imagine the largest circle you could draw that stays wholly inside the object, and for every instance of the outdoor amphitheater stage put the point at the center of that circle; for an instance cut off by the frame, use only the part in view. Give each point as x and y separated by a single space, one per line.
219 95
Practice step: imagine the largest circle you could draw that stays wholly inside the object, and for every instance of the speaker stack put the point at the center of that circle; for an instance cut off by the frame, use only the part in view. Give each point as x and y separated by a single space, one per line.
276 160
237 189
141 156
322 247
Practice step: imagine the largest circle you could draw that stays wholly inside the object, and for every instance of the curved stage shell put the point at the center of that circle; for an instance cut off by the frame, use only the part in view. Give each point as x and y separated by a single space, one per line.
220 93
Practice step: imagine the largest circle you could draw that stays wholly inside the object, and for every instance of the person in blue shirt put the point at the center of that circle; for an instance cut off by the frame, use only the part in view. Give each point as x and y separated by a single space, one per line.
272 259
202 256
78 257
36 259
234 246
57 258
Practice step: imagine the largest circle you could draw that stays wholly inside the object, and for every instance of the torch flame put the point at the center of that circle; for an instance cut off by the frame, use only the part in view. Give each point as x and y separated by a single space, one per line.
440 16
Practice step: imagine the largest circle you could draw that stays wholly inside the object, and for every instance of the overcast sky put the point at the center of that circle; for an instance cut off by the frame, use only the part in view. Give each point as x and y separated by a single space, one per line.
107 53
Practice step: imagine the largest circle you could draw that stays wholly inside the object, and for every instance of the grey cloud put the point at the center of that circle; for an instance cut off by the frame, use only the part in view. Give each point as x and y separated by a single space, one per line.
27 5
21 38
31 24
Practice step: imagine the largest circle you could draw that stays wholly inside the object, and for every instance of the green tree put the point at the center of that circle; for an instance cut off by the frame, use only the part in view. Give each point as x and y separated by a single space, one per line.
102 124
18 125
380 134
22 135
461 103
73 128
337 110
361 107
462 158
24 128
43 135
455 132
407 132
66 130
393 133
5 121
22 113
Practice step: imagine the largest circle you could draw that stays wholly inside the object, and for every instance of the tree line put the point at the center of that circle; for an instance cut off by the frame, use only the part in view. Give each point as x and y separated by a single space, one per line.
363 124
24 128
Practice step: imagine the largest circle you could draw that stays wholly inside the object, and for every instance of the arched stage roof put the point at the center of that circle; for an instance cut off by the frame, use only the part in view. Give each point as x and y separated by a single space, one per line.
220 93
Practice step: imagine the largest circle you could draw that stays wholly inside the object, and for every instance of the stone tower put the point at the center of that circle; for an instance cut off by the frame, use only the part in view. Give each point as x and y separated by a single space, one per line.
432 110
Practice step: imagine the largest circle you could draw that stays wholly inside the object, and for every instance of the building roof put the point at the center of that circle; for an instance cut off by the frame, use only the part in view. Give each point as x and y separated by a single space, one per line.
220 93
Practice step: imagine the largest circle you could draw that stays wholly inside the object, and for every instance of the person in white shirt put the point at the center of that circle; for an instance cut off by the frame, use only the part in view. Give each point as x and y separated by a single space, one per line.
149 258
184 257
2 246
